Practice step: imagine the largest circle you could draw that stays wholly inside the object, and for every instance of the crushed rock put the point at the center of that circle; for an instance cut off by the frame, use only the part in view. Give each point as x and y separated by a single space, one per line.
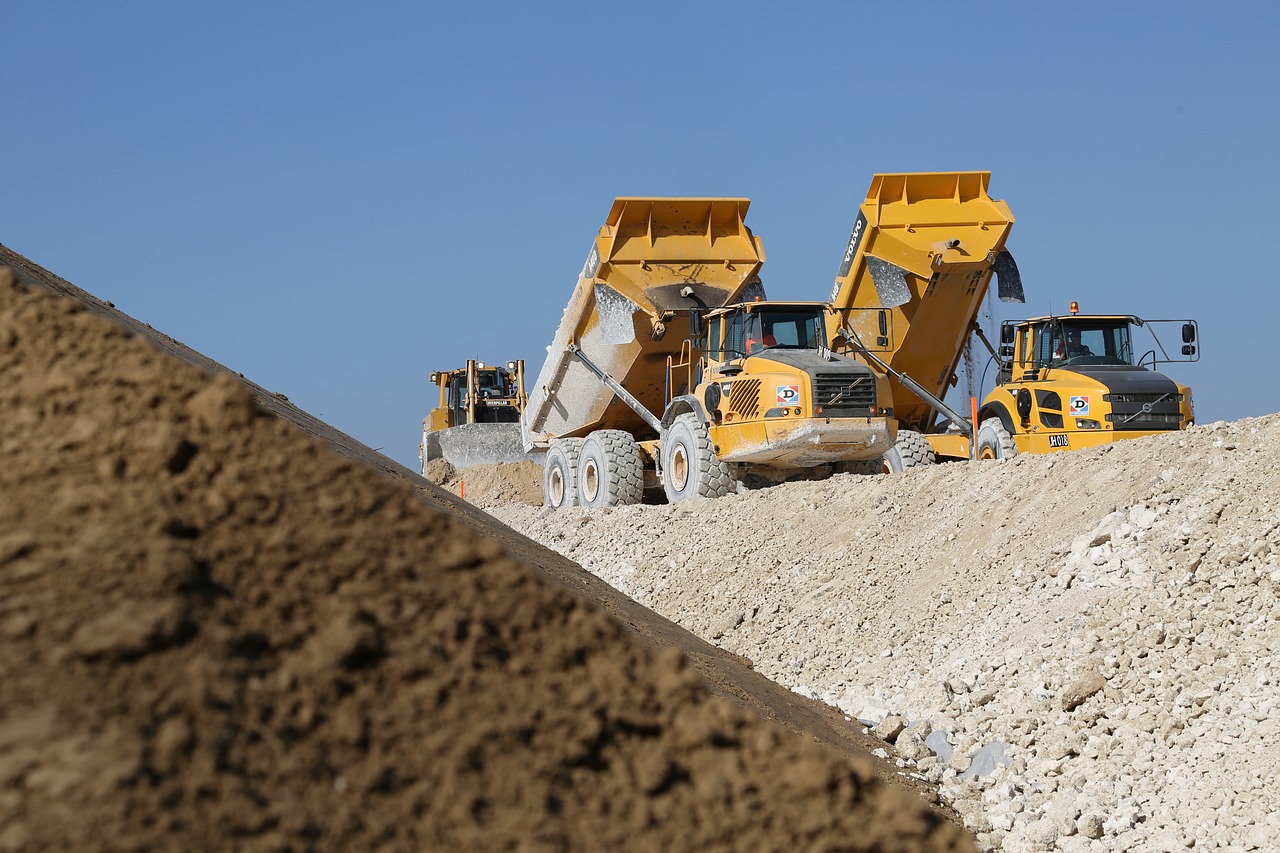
1109 616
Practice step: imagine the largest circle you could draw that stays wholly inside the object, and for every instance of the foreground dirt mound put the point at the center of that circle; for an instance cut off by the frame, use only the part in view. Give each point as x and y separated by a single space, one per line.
217 633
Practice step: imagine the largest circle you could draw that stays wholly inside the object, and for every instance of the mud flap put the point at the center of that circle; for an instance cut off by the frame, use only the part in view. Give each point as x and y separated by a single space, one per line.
1008 280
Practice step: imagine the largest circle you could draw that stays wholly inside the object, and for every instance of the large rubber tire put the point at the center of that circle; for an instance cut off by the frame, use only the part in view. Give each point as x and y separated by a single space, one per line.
994 441
610 469
690 467
911 449
560 473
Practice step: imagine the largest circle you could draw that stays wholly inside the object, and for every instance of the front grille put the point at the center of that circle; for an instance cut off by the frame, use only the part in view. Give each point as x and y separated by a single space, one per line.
744 398
844 395
1142 398
1145 420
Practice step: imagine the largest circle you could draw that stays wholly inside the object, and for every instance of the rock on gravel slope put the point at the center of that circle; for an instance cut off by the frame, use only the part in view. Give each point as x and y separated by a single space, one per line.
1080 649
218 633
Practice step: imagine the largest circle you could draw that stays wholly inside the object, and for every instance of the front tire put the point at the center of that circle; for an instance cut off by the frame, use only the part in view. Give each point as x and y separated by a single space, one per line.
560 473
994 441
610 469
911 449
690 467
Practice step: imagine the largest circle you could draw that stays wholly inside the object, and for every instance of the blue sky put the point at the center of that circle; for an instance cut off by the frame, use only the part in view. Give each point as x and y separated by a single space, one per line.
337 199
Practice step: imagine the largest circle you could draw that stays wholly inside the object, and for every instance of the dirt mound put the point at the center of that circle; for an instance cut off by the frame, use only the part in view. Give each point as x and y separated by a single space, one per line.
498 484
219 633
1079 648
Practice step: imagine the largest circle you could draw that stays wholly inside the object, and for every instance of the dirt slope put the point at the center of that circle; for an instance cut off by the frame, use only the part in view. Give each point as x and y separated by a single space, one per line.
1080 649
219 633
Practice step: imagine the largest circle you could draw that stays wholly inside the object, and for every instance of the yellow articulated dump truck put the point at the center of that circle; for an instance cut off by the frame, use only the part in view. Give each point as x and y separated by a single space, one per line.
477 419
669 368
918 265
1080 380
920 258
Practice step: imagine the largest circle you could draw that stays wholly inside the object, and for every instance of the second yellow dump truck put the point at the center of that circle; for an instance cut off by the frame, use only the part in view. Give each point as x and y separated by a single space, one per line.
918 265
669 368
1081 380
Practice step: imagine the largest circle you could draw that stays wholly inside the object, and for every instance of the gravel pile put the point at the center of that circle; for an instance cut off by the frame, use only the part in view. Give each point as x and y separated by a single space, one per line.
1079 650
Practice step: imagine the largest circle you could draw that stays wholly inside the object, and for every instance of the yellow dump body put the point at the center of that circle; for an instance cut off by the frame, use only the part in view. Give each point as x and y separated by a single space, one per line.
922 250
652 261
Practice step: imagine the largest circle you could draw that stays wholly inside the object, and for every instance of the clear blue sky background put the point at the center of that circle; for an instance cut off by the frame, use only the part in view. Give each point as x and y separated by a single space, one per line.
336 199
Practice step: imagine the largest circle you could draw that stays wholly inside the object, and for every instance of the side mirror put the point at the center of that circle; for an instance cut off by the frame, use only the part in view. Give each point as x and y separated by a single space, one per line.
1188 349
1006 335
1188 335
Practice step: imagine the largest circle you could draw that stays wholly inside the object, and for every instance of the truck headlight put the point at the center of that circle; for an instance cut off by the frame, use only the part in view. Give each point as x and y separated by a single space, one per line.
1087 423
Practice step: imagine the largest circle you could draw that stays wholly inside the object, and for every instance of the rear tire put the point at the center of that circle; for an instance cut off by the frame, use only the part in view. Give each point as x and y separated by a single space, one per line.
690 467
560 473
911 449
610 469
994 441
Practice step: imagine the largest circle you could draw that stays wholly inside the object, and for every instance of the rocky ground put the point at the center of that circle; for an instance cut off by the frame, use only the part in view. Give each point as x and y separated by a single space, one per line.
1079 650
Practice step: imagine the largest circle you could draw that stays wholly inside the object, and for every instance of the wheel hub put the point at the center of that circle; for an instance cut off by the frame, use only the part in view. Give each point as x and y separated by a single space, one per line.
679 467
590 481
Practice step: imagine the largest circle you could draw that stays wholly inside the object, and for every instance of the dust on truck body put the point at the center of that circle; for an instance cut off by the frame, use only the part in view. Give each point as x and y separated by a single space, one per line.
918 265
668 367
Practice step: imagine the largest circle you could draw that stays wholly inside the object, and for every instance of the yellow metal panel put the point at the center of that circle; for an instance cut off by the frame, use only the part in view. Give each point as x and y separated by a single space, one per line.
944 231
627 312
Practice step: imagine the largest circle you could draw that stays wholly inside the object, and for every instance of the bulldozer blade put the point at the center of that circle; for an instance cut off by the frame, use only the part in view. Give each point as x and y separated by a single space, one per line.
469 445
1008 280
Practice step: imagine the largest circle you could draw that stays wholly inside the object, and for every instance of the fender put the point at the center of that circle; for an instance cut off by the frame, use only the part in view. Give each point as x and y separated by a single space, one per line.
997 410
684 404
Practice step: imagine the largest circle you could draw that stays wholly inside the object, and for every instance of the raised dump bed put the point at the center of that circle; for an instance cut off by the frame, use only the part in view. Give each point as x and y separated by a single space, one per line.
627 313
913 276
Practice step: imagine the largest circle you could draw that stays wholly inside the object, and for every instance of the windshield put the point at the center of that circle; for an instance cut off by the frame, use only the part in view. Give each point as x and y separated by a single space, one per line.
1084 342
495 383
753 331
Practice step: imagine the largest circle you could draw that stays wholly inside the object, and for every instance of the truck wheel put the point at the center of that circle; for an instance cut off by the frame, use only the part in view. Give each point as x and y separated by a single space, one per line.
911 449
560 473
690 467
994 441
610 470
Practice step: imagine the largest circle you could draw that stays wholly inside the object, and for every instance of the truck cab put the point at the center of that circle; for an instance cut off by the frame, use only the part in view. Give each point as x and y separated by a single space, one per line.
1075 381
771 392
478 393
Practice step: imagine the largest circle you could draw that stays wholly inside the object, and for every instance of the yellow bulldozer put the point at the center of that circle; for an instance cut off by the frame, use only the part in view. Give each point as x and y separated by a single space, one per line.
477 418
